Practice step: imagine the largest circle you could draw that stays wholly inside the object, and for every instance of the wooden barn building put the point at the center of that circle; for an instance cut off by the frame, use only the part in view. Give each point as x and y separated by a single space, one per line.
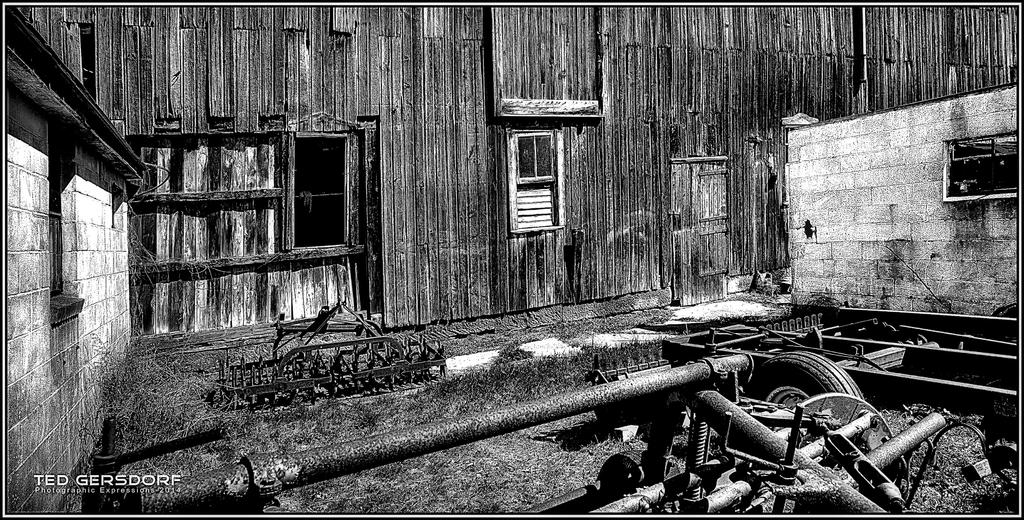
436 165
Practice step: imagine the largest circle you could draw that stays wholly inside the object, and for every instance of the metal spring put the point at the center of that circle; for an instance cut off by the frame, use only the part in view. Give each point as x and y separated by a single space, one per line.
700 434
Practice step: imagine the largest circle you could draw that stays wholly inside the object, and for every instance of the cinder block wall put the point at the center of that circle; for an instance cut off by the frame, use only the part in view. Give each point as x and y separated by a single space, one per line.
54 368
873 188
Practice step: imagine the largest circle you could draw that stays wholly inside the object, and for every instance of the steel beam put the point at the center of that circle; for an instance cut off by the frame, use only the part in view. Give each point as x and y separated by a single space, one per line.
965 323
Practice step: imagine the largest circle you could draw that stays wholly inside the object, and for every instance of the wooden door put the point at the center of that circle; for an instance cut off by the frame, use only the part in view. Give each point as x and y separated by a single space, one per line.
699 220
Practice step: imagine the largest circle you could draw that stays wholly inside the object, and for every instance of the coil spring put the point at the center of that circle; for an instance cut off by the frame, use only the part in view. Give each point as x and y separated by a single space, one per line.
700 434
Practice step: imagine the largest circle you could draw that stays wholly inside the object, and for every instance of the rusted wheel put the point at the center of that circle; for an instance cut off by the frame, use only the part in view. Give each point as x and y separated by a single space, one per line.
793 377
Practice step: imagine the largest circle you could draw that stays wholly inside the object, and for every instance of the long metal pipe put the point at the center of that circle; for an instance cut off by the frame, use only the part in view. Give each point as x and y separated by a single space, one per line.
835 495
639 502
280 472
906 440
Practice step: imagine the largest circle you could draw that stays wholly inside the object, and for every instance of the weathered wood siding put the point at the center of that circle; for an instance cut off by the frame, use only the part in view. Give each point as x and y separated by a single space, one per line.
917 53
208 234
671 82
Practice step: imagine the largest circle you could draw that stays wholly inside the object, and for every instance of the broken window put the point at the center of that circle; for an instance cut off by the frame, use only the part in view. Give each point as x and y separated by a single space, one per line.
535 170
88 43
60 154
320 181
982 167
116 199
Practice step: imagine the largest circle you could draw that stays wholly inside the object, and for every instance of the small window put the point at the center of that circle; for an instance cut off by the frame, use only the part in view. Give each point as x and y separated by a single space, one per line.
535 170
983 167
116 199
320 202
88 42
60 157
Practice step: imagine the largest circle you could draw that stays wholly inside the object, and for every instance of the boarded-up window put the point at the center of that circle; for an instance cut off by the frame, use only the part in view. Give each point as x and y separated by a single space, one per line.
984 167
535 171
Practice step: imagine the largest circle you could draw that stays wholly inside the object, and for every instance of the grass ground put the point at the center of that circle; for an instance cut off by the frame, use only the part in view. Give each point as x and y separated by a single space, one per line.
160 398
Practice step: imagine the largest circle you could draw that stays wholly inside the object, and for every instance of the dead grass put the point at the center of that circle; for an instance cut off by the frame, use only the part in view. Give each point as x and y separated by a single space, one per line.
160 398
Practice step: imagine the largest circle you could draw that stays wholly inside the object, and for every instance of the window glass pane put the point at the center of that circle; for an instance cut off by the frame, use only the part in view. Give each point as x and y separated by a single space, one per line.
970 176
1004 167
319 185
543 146
526 158
1006 145
318 220
320 165
974 148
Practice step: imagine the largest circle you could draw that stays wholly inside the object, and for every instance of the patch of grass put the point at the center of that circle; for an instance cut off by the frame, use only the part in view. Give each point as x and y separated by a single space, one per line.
160 398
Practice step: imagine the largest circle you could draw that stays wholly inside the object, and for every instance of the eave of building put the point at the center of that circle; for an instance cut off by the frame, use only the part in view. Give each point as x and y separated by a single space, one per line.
940 99
38 73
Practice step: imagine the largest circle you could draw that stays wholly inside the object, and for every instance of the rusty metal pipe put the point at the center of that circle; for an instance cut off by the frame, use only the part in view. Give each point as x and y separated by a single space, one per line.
638 502
221 490
728 496
859 425
164 448
833 495
318 464
908 439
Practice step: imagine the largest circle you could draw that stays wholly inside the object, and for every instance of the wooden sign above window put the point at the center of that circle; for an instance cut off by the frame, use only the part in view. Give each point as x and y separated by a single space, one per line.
548 108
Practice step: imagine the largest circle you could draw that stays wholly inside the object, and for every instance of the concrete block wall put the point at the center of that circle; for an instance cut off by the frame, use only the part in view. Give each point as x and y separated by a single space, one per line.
96 257
54 368
872 186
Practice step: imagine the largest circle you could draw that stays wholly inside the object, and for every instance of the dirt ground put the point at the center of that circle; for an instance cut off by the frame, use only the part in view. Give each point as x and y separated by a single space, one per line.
159 398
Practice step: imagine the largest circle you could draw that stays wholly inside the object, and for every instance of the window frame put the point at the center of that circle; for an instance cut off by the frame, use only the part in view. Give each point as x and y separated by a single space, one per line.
946 197
556 180
288 236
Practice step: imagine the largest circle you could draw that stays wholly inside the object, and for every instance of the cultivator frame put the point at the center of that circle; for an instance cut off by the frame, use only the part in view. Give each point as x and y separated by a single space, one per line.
753 463
364 365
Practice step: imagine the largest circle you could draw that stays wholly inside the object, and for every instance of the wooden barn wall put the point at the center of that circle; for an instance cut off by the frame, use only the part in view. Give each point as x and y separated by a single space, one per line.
673 82
544 53
918 53
207 238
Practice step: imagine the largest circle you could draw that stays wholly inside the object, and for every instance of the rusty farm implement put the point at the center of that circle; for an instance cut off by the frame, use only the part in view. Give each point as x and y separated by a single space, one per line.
369 363
963 363
830 453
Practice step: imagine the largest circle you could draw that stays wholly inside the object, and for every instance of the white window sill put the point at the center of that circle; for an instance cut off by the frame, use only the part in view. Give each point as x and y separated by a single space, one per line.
536 230
991 196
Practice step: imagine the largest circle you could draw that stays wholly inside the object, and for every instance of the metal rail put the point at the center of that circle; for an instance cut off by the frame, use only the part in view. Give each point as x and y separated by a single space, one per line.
955 395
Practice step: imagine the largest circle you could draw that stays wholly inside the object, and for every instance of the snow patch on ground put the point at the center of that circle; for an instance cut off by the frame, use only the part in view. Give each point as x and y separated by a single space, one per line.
720 310
468 361
549 347
620 338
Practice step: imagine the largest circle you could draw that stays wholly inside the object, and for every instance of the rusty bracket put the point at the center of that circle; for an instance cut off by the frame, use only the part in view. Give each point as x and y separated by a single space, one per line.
870 479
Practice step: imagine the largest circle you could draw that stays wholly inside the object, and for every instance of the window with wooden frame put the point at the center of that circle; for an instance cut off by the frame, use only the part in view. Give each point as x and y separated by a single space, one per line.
320 194
984 167
535 166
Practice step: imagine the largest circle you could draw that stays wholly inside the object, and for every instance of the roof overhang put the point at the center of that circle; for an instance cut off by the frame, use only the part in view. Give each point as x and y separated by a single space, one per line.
39 74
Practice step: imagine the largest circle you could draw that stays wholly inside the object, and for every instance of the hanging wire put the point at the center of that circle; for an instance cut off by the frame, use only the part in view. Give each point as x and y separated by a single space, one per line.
932 448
